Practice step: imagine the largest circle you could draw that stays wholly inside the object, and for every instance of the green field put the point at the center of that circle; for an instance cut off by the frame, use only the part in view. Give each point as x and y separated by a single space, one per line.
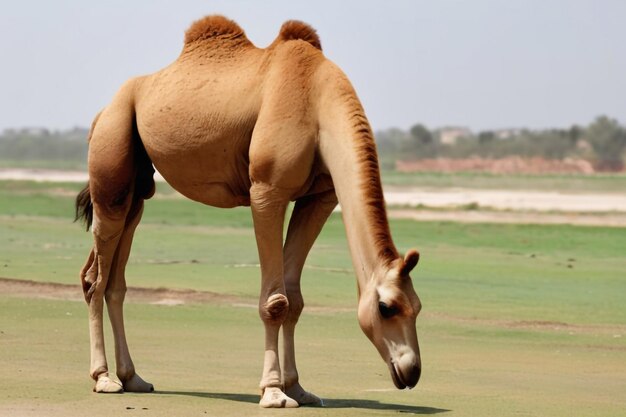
485 180
45 164
518 320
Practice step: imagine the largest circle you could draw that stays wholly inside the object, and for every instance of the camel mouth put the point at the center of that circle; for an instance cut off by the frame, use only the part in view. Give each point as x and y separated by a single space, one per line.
395 376
404 380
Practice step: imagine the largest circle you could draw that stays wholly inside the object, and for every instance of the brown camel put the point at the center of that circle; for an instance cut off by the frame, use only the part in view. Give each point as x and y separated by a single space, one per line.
229 124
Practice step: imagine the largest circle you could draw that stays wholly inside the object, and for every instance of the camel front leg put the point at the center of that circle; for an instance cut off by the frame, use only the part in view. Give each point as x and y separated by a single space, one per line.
268 212
308 218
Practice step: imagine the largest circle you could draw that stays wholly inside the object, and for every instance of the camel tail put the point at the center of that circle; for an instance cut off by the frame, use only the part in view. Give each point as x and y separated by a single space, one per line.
84 207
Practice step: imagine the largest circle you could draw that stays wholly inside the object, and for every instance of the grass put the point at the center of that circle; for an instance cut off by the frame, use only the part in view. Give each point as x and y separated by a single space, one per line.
477 371
546 182
517 319
44 164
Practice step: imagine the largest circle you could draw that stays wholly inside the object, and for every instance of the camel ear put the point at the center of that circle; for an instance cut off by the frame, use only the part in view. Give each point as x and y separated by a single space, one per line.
410 260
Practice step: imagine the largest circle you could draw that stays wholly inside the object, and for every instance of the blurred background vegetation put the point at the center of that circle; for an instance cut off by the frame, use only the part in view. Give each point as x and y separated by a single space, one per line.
601 145
41 148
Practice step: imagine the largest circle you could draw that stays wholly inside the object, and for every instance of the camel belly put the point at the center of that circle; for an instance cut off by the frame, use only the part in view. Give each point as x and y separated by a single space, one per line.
214 184
209 169
198 144
216 194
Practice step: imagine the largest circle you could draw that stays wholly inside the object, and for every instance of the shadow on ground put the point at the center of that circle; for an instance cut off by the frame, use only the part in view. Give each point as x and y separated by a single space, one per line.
328 403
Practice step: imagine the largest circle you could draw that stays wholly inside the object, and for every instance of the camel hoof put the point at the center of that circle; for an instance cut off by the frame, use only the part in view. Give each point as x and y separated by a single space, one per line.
136 384
106 385
303 397
274 398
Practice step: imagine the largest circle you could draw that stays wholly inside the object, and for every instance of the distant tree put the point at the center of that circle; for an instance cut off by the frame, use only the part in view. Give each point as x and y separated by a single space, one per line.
603 142
421 134
575 133
550 144
486 136
41 147
608 141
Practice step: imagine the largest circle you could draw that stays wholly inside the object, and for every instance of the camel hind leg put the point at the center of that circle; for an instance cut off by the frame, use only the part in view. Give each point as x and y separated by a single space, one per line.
103 277
120 177
95 275
114 295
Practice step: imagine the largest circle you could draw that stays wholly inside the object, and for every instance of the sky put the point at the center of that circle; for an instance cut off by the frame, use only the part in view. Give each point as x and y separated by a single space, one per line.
482 64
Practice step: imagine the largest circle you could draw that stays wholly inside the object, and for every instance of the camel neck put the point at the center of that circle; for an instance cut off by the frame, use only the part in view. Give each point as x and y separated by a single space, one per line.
347 148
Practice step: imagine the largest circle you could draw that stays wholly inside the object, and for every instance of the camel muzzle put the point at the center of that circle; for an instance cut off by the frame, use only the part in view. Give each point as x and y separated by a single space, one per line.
405 373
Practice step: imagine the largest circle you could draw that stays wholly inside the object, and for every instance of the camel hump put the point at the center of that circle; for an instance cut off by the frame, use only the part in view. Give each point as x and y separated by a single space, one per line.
211 27
295 29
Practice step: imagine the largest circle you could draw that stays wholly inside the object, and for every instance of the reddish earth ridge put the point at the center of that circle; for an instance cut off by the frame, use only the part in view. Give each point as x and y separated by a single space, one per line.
509 165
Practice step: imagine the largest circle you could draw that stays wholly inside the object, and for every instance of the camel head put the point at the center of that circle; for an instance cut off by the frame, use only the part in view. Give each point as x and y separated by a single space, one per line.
387 311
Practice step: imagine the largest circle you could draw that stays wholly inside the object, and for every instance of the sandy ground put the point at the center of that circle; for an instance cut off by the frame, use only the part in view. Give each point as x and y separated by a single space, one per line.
507 199
451 204
512 217
164 296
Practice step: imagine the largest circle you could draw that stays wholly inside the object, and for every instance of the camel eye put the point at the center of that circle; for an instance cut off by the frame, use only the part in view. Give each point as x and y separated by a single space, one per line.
387 311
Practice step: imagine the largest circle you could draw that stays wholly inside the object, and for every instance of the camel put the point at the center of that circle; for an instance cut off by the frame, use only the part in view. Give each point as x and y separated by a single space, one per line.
229 124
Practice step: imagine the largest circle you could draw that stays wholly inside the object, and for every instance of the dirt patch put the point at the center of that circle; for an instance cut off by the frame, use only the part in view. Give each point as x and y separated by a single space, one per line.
518 200
539 324
49 175
142 295
614 331
42 175
163 296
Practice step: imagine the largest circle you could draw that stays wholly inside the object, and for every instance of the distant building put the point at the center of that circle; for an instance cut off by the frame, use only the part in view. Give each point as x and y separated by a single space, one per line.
507 133
450 135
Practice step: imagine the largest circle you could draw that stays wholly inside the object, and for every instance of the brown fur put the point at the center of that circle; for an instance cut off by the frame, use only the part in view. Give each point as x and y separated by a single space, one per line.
144 186
83 205
211 27
295 29
365 147
371 184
